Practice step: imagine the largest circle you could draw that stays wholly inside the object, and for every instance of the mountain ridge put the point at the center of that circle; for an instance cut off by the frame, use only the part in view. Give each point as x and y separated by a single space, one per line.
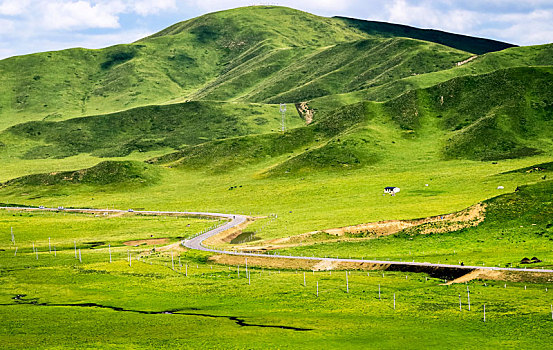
178 63
476 45
206 91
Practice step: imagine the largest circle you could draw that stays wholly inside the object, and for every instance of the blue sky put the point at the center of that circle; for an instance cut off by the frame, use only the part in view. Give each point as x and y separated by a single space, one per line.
28 26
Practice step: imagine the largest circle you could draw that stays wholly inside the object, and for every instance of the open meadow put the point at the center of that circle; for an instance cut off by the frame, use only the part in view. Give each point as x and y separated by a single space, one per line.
46 301
296 132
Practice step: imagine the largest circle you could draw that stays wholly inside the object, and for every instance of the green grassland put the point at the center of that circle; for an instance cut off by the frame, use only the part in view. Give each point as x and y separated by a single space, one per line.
93 231
305 202
148 304
188 119
227 156
517 225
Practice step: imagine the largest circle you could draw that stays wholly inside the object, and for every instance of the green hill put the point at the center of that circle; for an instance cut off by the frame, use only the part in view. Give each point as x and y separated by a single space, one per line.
540 55
501 115
200 99
189 119
145 129
105 173
504 114
252 53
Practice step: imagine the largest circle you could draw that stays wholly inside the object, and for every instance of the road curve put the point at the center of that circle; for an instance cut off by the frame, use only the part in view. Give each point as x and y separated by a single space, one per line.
237 219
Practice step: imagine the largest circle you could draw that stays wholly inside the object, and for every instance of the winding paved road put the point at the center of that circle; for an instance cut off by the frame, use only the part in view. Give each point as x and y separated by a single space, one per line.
236 219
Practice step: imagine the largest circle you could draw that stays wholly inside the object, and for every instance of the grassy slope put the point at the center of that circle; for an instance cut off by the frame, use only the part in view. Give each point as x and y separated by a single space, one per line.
540 55
226 154
504 114
143 129
496 123
105 173
245 46
291 75
517 225
501 115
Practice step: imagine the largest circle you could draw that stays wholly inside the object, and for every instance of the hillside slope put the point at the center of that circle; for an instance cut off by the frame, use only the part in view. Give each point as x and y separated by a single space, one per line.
540 55
501 115
224 55
289 76
228 154
207 90
143 129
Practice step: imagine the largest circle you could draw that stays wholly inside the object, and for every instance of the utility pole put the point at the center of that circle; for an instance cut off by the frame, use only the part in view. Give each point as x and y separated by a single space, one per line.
283 119
347 283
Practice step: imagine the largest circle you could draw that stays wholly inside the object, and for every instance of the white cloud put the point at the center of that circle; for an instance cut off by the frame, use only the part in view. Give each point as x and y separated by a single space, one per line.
147 7
526 29
534 16
79 14
6 26
44 25
425 16
13 7
523 23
